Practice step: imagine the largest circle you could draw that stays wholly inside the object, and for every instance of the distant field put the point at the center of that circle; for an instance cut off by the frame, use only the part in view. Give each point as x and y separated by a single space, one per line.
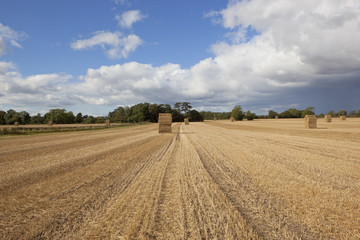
266 179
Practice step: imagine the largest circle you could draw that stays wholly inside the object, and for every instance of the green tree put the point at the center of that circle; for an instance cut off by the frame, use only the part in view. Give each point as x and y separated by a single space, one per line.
59 116
37 119
237 113
272 114
195 116
308 111
341 112
2 117
79 118
250 116
331 113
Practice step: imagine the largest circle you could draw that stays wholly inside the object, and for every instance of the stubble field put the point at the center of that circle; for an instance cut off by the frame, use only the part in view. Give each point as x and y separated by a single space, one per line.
263 179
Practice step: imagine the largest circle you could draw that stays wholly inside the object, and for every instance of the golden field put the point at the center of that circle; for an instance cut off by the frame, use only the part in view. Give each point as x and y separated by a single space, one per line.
262 179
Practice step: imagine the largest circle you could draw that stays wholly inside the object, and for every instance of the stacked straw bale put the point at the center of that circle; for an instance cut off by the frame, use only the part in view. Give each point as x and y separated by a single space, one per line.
327 118
107 123
165 121
342 117
50 123
310 121
186 121
232 119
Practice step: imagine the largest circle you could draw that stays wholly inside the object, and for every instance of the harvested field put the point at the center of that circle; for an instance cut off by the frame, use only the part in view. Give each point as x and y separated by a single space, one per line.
261 179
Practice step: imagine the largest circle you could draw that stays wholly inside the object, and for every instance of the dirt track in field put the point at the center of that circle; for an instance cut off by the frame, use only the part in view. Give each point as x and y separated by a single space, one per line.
267 179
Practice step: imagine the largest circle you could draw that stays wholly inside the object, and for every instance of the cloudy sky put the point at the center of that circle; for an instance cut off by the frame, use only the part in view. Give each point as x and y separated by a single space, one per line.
91 56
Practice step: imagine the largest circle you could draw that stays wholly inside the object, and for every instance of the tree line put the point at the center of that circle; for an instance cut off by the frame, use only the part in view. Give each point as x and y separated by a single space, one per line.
149 112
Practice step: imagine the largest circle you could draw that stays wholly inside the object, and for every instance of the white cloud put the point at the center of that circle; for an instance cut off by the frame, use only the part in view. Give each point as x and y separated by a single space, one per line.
304 48
10 36
127 19
114 43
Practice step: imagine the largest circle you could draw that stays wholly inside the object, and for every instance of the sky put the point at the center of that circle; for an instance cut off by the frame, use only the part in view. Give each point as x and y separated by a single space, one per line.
91 56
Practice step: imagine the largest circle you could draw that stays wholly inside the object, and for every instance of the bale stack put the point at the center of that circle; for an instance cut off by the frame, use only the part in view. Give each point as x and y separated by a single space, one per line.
50 123
232 119
342 117
16 123
107 123
186 121
327 118
310 121
165 121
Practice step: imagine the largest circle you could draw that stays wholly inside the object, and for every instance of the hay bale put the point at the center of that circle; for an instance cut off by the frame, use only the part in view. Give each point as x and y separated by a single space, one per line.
186 121
232 119
165 121
50 123
107 122
276 117
215 118
16 123
165 118
342 117
310 121
327 118
164 128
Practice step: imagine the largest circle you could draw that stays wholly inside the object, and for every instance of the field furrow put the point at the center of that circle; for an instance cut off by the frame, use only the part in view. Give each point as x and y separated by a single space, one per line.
263 179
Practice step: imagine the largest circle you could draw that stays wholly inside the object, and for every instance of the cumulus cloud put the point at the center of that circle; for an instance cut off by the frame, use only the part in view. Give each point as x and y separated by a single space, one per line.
127 19
114 43
9 36
304 53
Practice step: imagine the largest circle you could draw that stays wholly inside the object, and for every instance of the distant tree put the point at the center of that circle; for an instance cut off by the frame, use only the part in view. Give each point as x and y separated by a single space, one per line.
59 116
165 108
195 116
90 119
308 111
11 117
153 113
321 115
341 112
272 114
237 113
186 107
358 113
37 119
331 113
250 116
352 113
78 118
2 117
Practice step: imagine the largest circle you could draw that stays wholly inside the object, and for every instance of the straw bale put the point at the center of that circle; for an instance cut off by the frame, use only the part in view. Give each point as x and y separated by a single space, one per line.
215 118
342 117
50 123
163 128
310 121
16 123
107 123
232 119
276 117
165 118
186 121
327 118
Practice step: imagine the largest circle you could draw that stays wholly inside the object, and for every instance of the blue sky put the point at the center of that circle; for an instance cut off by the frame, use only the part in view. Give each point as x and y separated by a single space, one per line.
91 56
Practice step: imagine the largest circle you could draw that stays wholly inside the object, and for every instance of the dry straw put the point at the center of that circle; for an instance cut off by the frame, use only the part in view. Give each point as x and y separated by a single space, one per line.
107 123
215 118
310 121
186 121
327 118
342 117
232 119
50 123
276 117
16 123
165 121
